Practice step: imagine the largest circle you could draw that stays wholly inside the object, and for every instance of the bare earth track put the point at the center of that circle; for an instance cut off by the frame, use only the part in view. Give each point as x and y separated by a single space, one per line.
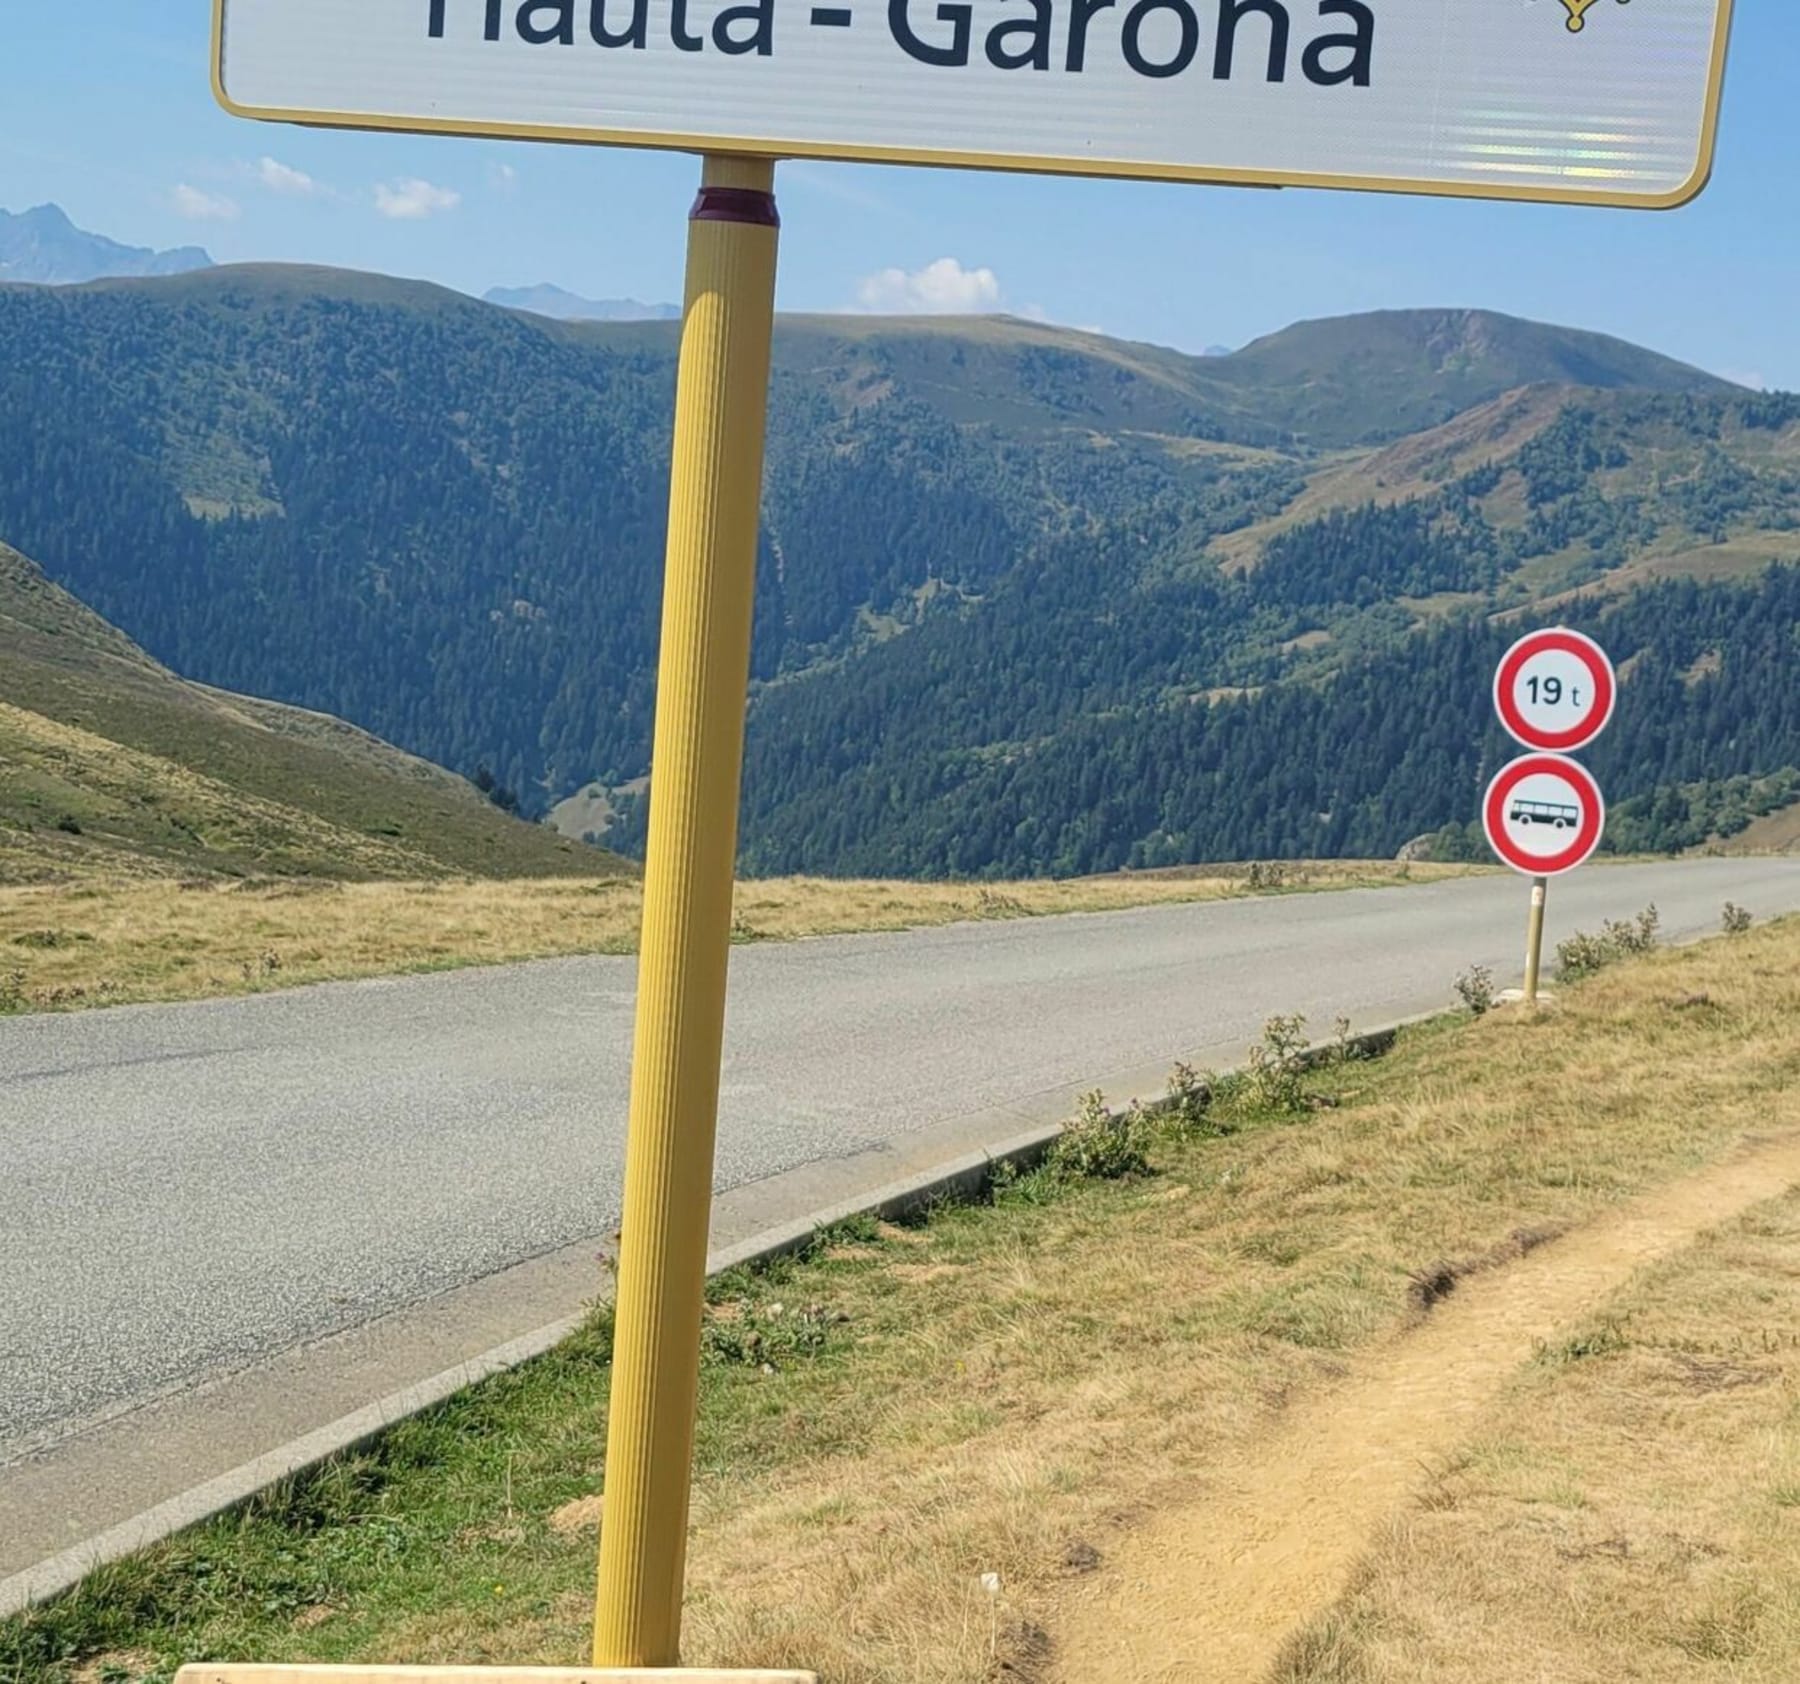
1208 1592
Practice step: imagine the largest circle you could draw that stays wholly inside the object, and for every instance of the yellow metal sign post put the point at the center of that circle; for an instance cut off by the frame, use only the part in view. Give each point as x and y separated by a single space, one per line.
720 403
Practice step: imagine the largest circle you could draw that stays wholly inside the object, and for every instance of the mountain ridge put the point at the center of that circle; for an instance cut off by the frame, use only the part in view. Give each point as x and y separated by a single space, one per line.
562 305
445 521
43 247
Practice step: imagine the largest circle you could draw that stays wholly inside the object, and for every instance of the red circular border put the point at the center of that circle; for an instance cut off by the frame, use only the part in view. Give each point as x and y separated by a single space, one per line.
1590 654
1593 822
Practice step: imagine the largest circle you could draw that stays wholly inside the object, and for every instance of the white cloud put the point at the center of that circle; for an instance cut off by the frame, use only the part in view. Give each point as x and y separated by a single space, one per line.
291 183
410 199
503 176
197 206
943 288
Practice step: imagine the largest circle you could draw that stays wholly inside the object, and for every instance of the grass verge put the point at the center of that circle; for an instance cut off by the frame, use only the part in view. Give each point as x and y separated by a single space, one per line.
998 1390
112 942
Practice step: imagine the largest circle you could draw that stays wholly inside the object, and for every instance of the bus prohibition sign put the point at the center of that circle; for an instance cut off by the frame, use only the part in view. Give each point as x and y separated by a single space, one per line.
1555 690
1544 815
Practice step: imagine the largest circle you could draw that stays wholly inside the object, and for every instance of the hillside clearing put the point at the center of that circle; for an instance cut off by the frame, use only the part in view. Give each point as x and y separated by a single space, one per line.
1774 833
114 941
1029 1389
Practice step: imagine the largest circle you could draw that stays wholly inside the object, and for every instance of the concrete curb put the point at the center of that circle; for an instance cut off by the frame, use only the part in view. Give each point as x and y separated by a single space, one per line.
961 1177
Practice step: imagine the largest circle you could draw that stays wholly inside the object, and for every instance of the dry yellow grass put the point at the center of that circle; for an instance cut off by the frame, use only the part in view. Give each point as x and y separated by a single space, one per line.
1081 1375
1278 1531
1025 1389
1774 833
1630 1508
106 942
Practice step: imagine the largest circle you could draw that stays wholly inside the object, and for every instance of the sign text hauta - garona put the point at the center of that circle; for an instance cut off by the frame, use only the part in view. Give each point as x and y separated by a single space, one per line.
1269 39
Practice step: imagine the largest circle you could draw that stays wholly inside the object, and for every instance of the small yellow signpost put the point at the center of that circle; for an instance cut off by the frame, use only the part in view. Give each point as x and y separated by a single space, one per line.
1469 98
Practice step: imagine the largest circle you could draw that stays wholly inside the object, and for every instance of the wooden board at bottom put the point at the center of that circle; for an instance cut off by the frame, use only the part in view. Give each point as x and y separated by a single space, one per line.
209 1673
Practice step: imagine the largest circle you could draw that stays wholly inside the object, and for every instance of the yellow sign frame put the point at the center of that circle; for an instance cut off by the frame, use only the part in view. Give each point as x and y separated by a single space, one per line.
1004 162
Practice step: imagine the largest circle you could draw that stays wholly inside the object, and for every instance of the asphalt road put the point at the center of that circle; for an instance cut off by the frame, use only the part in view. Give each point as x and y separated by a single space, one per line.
185 1190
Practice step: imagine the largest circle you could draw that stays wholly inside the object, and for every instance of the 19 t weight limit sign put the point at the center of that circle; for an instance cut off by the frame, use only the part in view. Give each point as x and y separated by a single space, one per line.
1555 691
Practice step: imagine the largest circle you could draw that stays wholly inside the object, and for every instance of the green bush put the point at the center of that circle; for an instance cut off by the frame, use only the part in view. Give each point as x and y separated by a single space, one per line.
1735 920
1276 1065
1584 954
1581 955
1635 935
1097 1144
1187 1110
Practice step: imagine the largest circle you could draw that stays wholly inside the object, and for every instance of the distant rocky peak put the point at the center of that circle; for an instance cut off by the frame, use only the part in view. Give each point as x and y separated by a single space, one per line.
43 247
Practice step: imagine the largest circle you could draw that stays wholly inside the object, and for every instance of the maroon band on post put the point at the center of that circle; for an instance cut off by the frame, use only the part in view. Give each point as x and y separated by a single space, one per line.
736 204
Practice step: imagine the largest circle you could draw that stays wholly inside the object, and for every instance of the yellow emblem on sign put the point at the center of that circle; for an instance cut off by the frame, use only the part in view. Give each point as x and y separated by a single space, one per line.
1578 11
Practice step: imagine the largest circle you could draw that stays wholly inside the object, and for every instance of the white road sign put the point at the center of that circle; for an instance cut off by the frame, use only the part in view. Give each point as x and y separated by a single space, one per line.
1575 100
1555 690
1544 815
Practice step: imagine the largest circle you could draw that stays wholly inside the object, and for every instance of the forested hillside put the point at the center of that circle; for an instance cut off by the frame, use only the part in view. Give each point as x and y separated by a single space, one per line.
1029 600
1393 744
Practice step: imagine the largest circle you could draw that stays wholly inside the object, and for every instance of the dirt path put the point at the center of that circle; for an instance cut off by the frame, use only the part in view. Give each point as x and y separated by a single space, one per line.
1206 1593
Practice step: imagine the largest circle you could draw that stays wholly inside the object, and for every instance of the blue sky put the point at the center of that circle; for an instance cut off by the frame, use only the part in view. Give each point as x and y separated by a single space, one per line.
109 113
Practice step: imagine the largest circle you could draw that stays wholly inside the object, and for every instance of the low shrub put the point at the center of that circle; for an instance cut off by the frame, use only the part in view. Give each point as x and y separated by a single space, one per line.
1735 920
1634 935
1187 1110
46 940
1583 954
1272 1077
1098 1144
1475 988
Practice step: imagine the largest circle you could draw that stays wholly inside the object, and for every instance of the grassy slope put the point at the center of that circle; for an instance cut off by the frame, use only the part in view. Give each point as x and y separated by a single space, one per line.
1346 380
87 943
1662 461
1777 833
1392 372
1414 467
1013 1389
118 766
